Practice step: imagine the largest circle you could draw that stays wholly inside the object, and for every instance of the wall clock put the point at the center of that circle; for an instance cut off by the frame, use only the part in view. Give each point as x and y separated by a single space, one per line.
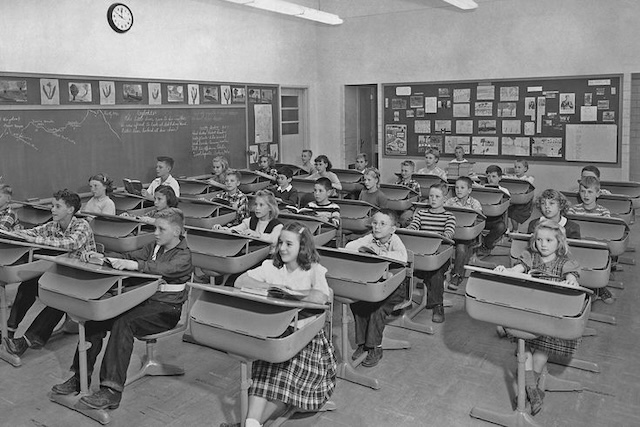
120 17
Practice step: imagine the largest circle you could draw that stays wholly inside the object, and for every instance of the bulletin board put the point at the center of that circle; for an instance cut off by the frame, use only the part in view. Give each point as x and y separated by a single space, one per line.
56 131
554 119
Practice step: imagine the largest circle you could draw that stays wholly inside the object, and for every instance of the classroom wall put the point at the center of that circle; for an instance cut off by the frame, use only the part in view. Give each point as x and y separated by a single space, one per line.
500 39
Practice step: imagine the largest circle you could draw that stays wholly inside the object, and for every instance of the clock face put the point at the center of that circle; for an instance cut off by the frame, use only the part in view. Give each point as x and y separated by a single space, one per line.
120 17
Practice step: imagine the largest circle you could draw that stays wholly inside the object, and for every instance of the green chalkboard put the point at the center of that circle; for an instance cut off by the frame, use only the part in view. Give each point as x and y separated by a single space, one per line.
43 150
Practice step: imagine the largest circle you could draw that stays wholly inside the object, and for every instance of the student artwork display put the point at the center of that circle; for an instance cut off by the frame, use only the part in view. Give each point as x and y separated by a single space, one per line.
13 91
80 92
50 93
107 93
510 118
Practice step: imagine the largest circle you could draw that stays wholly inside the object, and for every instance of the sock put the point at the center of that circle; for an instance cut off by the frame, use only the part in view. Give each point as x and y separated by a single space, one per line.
27 340
529 379
251 422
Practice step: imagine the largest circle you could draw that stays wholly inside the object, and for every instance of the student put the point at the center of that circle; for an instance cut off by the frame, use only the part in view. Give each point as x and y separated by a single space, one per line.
495 224
64 231
431 158
370 316
462 199
101 187
163 198
362 163
372 193
459 155
284 191
591 170
322 207
168 256
263 223
518 214
589 192
267 166
8 218
164 166
308 379
438 220
235 197
323 170
219 167
548 252
407 167
553 205
306 157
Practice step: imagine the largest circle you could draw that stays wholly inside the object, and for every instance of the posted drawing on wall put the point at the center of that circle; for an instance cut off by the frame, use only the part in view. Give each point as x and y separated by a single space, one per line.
395 141
263 123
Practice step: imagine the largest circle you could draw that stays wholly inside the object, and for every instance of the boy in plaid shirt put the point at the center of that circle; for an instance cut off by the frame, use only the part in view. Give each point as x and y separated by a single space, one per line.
8 218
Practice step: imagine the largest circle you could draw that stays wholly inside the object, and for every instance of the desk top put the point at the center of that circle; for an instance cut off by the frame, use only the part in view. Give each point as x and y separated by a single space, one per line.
528 278
94 268
356 254
16 240
216 233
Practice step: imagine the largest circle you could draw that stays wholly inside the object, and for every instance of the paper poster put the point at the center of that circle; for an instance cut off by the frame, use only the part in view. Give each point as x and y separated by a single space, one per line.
464 127
49 92
450 143
175 93
430 105
487 127
263 123
155 94
435 142
588 114
80 92
403 91
442 126
509 93
507 109
410 114
567 103
461 95
588 98
416 101
13 91
486 93
253 154
515 146
398 104
484 109
603 104
484 145
608 116
225 94
529 128
238 95
530 106
546 147
395 142
194 94
107 93
273 151
542 108
422 126
511 127
461 110
132 93
444 92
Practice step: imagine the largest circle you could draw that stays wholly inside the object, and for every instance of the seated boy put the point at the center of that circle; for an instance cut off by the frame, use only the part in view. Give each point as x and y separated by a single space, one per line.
63 231
284 191
462 199
8 218
438 220
370 316
234 197
407 167
496 225
431 158
362 162
168 256
322 206
591 170
589 192
306 157
163 173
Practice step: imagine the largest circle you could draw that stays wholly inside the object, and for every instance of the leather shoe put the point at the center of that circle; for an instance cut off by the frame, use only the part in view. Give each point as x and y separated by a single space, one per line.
359 352
16 346
438 314
70 386
105 398
373 357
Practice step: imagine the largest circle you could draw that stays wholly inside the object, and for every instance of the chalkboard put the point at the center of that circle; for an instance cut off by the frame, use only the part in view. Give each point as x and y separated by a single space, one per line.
555 119
43 150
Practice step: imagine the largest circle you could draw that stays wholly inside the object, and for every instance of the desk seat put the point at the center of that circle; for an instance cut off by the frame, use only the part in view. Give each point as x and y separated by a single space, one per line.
205 214
521 190
355 215
323 232
613 231
120 234
620 206
400 198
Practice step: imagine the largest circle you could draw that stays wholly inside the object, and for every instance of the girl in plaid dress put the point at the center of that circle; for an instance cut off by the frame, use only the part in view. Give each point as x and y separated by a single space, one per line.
548 257
308 379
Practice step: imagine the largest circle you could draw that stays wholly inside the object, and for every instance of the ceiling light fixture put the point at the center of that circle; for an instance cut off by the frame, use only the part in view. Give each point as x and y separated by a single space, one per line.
292 9
463 4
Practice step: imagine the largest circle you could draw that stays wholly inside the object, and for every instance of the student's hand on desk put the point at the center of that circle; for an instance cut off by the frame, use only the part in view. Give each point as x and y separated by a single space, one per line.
144 193
571 280
251 233
28 237
219 227
124 264
500 269
84 256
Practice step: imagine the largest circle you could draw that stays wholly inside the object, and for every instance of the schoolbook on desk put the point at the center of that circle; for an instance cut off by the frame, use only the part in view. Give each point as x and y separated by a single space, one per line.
132 186
298 210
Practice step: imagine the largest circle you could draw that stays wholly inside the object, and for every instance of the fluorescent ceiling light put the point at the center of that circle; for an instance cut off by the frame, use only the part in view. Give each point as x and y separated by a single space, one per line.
292 9
463 4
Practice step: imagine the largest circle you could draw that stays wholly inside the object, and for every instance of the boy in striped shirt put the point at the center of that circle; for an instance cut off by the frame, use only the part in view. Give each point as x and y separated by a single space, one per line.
435 219
589 192
323 207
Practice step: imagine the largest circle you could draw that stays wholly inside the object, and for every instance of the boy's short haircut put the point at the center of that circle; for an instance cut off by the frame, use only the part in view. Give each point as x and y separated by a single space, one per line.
409 163
458 146
524 163
286 171
433 151
440 186
308 151
391 214
325 182
169 194
168 160
70 198
235 173
590 182
6 189
363 156
591 168
465 179
173 216
494 168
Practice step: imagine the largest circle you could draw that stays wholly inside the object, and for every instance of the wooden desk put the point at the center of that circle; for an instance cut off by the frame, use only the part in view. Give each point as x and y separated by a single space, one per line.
17 264
91 292
251 327
355 276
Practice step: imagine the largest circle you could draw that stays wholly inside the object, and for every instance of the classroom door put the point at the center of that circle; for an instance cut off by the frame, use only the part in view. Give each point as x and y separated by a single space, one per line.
295 131
361 123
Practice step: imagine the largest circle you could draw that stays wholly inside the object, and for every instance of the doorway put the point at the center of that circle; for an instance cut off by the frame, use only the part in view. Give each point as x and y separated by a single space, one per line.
361 123
295 129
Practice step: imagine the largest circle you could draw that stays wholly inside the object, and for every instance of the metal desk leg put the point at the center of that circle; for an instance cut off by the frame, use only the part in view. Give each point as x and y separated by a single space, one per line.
73 401
578 364
4 354
603 318
550 383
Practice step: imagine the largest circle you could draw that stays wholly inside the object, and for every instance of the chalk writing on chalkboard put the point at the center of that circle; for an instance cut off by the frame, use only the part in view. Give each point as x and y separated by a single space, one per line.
153 121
